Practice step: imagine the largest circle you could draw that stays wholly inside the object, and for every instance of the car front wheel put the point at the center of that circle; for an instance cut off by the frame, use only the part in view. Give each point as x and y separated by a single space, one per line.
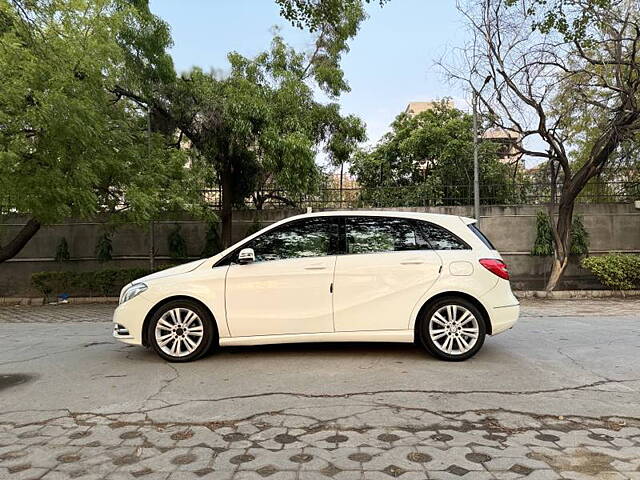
452 329
181 331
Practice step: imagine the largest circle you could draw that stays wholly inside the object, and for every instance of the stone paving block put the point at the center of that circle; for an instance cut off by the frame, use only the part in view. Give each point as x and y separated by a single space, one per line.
375 475
442 475
600 476
455 456
322 459
26 474
397 456
251 475
579 438
264 458
229 460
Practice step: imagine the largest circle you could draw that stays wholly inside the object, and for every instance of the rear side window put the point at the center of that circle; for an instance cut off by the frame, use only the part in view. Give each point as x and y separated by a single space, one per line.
382 234
480 235
440 238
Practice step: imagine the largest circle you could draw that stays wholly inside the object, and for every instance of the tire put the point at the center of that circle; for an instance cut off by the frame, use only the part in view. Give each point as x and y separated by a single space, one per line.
435 329
175 343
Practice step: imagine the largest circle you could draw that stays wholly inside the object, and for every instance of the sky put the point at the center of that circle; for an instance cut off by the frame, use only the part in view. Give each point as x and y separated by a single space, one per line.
391 61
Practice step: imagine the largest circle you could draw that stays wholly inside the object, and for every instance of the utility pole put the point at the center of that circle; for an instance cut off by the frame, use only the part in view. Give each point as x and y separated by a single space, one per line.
152 236
476 166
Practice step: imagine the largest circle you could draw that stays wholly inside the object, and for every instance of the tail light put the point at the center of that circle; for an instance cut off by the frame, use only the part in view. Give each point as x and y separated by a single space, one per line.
495 266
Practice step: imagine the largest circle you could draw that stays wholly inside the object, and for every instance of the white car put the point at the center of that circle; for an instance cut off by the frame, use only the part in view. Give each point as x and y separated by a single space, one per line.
329 277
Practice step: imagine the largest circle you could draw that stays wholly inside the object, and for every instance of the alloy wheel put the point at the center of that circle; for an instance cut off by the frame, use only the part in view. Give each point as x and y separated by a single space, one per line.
179 332
453 329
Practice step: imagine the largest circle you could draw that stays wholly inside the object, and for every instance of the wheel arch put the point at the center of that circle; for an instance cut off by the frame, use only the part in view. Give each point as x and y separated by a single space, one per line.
470 298
164 301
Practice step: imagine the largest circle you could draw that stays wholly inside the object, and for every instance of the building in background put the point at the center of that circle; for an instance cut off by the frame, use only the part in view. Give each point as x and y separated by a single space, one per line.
509 141
414 108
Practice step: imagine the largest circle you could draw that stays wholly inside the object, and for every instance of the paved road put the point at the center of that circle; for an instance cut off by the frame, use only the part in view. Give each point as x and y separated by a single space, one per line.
557 397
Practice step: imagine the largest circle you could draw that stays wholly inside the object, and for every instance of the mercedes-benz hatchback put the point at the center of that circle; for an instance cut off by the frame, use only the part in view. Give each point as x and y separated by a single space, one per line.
329 277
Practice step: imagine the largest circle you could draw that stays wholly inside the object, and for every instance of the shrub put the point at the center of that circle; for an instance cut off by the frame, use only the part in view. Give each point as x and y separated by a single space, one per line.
615 270
62 251
579 237
177 244
543 244
212 241
106 283
104 248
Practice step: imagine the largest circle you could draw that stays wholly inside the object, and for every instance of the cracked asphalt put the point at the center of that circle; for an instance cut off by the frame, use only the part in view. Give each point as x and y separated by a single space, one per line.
556 397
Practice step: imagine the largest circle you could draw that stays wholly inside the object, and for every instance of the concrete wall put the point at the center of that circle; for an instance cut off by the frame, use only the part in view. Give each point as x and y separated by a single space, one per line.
512 229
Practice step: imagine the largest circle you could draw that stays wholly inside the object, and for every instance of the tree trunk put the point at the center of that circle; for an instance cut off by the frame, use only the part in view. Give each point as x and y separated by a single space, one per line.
226 215
561 241
12 248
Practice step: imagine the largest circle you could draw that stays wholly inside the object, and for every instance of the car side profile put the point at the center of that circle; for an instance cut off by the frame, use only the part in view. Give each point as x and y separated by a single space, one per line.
329 277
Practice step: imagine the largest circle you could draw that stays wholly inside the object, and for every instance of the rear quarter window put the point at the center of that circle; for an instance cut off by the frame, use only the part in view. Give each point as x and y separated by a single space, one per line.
480 235
439 238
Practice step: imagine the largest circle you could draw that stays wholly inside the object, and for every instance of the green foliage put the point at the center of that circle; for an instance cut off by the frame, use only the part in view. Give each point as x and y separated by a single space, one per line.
71 144
93 283
334 22
571 18
212 241
260 126
104 248
62 251
543 243
615 270
427 159
177 244
579 237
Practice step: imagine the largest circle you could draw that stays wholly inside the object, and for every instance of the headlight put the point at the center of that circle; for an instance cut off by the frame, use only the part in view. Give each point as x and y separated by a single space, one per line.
132 291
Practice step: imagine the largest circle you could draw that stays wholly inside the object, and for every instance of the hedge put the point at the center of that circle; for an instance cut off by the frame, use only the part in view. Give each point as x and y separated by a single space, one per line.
615 270
106 283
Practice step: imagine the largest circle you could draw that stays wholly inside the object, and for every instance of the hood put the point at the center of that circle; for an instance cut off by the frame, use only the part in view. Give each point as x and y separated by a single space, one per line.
169 272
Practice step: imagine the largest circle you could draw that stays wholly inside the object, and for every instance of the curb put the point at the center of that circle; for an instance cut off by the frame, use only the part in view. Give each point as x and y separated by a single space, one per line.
576 294
5 301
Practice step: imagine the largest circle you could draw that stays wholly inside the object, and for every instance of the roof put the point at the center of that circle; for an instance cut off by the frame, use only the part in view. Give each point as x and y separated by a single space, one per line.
435 217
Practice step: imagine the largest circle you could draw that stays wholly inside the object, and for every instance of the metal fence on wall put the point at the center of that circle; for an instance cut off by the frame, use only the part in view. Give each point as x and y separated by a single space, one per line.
415 196
447 195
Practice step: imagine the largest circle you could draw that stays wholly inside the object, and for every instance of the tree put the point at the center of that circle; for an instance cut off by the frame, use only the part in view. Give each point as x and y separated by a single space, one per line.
541 79
69 145
260 124
431 154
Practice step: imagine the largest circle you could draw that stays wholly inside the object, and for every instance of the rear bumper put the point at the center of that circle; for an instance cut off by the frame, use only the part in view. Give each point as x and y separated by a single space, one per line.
503 318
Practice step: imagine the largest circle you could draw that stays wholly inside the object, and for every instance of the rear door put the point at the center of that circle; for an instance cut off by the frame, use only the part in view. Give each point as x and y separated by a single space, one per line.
386 268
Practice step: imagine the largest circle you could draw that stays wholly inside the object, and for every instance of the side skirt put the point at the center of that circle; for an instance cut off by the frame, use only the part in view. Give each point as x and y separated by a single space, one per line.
400 336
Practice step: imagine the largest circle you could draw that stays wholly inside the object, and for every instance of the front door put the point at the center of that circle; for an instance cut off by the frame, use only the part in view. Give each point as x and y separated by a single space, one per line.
287 290
387 268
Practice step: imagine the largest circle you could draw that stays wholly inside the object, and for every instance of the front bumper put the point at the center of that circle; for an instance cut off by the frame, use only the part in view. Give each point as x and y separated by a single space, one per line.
129 318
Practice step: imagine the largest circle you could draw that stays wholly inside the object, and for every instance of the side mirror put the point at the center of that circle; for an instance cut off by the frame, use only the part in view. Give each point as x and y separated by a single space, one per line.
246 255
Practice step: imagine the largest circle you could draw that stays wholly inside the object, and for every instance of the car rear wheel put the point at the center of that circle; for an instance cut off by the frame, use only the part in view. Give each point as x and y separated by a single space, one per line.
452 329
181 331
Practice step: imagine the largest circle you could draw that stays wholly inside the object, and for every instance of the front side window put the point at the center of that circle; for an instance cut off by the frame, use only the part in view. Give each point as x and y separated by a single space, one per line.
381 234
315 237
440 238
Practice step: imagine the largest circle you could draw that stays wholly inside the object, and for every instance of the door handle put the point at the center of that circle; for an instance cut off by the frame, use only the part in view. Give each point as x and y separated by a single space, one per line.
412 261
